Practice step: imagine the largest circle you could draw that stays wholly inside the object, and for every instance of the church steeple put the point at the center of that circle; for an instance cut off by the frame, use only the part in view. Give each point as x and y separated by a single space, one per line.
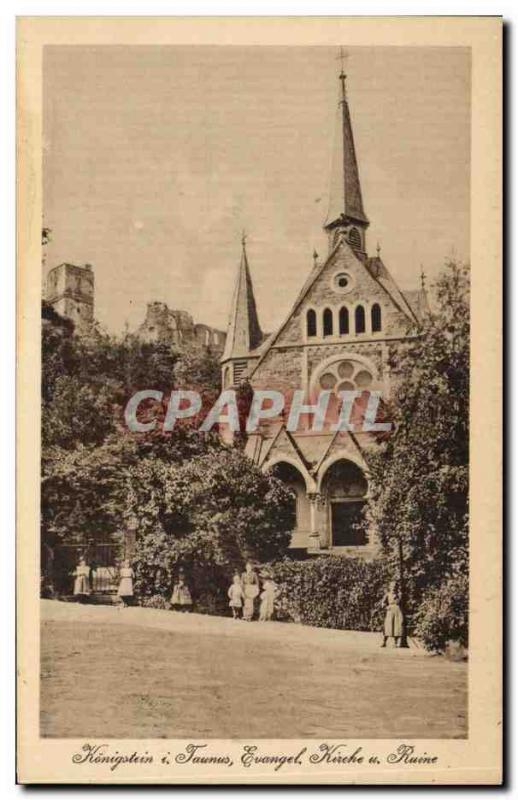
346 214
244 333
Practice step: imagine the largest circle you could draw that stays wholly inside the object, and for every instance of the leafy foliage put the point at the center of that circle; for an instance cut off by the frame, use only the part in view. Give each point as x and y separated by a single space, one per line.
87 453
331 592
196 501
443 614
419 477
208 515
83 491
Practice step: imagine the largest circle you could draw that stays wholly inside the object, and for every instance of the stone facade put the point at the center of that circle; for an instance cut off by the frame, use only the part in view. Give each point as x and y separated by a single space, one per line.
338 336
178 328
70 290
337 360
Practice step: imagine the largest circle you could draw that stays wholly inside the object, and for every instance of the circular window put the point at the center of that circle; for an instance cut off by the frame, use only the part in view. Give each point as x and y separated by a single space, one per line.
363 379
345 376
342 282
345 369
328 380
346 386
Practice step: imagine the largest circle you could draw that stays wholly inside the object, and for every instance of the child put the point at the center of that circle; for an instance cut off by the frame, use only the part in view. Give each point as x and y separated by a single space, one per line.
125 590
235 594
181 599
250 583
267 600
394 620
82 581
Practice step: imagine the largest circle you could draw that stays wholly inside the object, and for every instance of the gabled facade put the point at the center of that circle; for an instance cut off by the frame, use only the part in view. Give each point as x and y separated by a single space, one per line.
338 336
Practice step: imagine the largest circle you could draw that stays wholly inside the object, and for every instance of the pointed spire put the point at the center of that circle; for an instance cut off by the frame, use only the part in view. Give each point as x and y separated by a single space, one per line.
244 332
346 196
315 258
423 279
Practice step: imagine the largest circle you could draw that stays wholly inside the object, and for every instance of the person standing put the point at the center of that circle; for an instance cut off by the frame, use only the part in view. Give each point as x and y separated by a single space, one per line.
125 590
250 584
268 596
235 593
82 581
181 599
394 620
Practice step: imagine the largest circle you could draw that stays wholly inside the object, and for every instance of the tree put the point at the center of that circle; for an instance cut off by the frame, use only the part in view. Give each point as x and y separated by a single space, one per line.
209 514
84 490
419 476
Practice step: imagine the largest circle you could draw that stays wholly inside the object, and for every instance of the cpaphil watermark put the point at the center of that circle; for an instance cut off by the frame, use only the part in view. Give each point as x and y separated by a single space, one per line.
355 411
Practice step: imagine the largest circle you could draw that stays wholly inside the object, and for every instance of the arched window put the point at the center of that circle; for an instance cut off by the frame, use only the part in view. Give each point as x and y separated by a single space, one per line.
376 317
328 322
343 321
359 320
355 240
311 323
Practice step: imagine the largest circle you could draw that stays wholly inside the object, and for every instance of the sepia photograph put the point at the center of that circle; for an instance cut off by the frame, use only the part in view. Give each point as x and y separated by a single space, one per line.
256 409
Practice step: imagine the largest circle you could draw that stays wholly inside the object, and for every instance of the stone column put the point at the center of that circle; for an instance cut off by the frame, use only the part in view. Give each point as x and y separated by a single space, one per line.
314 535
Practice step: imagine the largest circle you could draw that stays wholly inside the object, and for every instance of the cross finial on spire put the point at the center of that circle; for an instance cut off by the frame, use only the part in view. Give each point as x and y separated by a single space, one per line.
315 257
342 57
423 278
244 237
378 249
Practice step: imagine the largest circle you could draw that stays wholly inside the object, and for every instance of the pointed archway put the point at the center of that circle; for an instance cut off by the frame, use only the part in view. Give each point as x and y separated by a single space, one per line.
344 487
293 478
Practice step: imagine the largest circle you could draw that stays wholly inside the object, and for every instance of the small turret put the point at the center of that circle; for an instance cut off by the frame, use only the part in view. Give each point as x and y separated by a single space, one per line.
244 332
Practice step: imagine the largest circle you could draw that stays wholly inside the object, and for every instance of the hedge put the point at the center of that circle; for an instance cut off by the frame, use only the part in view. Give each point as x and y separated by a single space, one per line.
442 617
331 592
334 592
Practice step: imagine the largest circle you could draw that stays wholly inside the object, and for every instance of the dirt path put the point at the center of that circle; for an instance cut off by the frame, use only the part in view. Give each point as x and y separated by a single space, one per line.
138 673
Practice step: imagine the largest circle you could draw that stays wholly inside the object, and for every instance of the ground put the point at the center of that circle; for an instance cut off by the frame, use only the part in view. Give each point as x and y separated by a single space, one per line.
145 673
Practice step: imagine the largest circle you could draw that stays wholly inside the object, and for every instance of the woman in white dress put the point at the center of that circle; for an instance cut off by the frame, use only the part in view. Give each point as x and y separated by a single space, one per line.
125 590
250 584
394 620
82 581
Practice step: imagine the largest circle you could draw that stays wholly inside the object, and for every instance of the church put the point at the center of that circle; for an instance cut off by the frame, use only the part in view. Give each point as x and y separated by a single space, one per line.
339 335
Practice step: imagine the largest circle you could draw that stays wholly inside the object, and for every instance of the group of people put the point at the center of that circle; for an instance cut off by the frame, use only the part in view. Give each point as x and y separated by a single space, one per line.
181 599
244 590
83 582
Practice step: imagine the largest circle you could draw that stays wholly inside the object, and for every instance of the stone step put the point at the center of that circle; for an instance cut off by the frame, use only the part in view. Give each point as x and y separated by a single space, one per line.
94 599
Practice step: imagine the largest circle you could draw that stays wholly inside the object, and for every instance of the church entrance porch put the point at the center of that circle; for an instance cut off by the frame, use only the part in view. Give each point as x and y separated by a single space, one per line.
293 479
329 514
344 490
345 523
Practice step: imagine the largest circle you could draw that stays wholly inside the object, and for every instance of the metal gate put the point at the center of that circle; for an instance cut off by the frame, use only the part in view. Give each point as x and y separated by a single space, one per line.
103 559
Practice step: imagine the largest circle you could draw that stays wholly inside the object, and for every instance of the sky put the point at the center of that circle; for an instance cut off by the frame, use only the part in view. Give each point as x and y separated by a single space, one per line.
156 158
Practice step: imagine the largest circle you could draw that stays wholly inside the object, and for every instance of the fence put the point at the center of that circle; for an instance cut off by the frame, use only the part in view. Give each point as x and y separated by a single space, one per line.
103 559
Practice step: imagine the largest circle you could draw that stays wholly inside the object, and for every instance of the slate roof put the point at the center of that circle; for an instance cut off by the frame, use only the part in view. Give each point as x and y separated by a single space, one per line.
380 273
346 196
417 299
244 333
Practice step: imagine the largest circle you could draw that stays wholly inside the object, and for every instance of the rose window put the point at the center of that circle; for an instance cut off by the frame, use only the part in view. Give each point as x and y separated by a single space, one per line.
345 376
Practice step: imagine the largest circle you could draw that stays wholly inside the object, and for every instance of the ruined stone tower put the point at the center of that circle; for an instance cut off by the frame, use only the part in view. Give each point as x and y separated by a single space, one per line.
70 290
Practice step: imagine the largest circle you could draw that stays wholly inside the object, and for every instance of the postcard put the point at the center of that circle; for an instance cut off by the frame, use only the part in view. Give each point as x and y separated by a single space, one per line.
259 400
